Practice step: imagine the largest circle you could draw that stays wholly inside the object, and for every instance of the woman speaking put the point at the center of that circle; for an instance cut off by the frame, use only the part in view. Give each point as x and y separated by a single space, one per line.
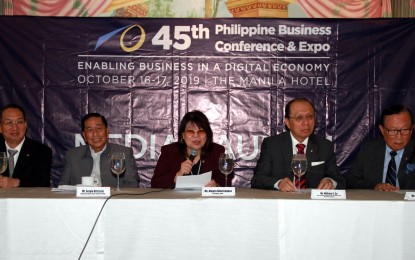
194 153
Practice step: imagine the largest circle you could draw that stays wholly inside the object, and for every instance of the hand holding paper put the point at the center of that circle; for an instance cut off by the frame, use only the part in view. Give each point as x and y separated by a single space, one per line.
193 181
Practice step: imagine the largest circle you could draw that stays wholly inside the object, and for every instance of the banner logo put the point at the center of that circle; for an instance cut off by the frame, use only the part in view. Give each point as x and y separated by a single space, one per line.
125 30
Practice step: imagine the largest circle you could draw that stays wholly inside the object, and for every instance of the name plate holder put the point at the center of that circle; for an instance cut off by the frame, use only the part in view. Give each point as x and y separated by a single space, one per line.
218 191
93 192
409 195
328 194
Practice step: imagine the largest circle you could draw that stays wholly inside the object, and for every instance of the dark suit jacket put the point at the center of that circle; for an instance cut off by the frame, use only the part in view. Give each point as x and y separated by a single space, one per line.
79 162
33 165
275 162
367 169
170 160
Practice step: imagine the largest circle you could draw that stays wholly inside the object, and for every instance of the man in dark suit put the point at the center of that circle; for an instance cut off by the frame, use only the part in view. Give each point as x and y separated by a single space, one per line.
273 169
93 159
29 161
388 163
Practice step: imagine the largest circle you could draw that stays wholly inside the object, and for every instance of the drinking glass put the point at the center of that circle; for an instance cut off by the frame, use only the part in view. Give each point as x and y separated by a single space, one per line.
117 164
225 164
299 166
3 162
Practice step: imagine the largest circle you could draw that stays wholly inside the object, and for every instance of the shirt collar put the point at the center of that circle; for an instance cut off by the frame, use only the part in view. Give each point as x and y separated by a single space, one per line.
17 148
389 150
295 142
97 153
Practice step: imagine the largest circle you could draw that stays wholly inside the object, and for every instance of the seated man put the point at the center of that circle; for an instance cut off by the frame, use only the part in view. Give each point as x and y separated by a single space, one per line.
29 161
273 169
387 163
93 159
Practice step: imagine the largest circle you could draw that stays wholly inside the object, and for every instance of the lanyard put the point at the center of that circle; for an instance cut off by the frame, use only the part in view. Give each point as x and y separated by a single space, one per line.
198 171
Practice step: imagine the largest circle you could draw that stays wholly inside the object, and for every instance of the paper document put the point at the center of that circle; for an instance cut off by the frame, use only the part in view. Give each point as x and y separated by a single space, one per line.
193 181
65 188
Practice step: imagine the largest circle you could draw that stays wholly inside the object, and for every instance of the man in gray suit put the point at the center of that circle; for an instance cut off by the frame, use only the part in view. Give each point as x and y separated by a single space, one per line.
395 151
273 169
93 159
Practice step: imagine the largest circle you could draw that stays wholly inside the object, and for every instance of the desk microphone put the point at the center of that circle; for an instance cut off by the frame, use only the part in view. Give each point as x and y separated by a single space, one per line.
193 154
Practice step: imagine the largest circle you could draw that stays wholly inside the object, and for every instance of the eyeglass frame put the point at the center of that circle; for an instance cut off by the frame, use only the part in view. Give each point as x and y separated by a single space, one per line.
300 119
199 132
398 131
9 123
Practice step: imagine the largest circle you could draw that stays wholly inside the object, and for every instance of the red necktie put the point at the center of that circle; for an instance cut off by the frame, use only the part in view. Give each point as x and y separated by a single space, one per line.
301 180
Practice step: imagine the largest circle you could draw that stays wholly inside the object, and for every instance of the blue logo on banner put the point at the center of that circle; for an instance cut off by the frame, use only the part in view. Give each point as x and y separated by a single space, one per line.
106 37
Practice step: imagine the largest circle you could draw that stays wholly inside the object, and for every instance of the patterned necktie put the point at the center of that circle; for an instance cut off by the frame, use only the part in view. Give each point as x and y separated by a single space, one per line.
300 181
300 148
11 161
391 173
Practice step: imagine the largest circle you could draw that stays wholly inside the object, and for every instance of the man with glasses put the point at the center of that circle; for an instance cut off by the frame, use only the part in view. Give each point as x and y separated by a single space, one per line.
29 162
388 163
273 169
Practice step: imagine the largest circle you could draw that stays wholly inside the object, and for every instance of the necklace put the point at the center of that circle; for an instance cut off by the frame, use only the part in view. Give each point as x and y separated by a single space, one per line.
198 171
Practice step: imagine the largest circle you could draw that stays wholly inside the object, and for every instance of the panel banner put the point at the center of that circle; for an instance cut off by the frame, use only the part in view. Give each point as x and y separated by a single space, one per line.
145 74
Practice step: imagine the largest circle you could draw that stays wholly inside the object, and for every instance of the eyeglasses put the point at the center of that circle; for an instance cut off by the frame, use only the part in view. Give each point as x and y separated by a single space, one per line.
195 132
395 132
300 119
18 122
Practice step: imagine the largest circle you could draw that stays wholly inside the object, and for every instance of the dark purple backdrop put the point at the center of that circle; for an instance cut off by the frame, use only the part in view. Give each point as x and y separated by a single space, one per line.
148 74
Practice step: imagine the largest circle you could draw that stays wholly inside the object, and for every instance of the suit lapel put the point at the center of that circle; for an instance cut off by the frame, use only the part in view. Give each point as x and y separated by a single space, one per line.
287 146
311 150
311 155
106 174
406 157
23 159
105 160
379 152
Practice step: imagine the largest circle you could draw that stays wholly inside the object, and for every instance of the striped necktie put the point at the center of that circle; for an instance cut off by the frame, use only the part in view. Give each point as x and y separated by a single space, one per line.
300 181
391 173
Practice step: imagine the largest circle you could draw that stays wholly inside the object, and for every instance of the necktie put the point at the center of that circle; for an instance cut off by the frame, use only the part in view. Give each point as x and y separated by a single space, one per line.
300 148
11 161
96 168
391 173
300 181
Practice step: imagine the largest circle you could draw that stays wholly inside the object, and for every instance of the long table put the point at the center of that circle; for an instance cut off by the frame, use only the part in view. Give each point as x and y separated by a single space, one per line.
255 224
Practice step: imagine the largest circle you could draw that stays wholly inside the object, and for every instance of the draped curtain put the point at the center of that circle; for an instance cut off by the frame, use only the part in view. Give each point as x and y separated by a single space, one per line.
346 8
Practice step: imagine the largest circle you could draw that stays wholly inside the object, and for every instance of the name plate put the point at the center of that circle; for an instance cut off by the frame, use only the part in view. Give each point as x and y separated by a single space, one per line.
218 191
328 194
93 192
409 195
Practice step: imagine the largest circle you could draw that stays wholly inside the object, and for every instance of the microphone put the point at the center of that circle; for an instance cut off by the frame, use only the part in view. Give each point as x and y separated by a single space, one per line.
193 154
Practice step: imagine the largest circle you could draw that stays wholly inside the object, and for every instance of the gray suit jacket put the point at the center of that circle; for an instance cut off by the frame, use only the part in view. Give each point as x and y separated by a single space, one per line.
367 169
275 162
79 162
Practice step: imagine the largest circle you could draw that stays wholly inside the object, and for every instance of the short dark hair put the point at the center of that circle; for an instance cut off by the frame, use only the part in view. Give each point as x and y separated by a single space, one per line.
394 110
200 120
288 105
89 115
15 106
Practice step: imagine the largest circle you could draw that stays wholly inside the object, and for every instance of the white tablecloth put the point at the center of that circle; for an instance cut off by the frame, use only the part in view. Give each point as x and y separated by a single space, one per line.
256 224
